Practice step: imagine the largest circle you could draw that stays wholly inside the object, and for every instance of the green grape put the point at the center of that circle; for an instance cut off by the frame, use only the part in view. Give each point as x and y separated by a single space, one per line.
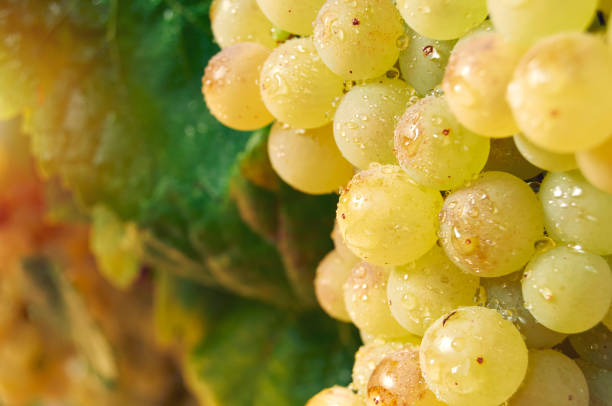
475 88
397 381
552 379
297 87
423 60
560 93
358 39
234 21
308 160
335 396
594 346
505 295
505 157
365 295
296 16
332 273
367 358
375 223
473 357
340 246
230 86
550 161
489 227
422 291
441 19
366 118
576 212
596 165
435 149
600 383
567 290
526 21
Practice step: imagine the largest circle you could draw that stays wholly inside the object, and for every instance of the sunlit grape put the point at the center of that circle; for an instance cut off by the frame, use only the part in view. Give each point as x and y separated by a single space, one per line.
367 358
332 273
295 16
234 21
335 396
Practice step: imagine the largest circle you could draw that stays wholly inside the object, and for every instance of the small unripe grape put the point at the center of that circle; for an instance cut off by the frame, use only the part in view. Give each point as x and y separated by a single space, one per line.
231 86
332 273
234 21
296 16
335 396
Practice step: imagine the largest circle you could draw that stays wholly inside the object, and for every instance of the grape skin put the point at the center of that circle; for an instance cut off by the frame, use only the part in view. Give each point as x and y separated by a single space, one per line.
550 161
340 246
335 396
596 165
332 273
296 16
367 358
234 21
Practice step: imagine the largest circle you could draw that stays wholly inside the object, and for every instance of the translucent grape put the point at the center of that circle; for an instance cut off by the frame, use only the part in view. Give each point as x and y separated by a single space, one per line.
434 149
567 290
422 291
505 157
505 295
231 86
475 87
552 379
375 223
423 61
297 87
234 21
340 246
335 396
560 93
473 357
596 165
594 346
366 118
358 39
296 16
332 273
365 295
367 358
525 21
550 161
397 381
441 19
308 160
489 227
576 212
600 383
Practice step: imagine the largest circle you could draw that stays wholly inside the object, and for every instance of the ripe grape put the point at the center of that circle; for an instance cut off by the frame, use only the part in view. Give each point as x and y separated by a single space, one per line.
297 87
560 93
296 16
552 379
594 346
234 21
550 161
397 381
526 21
335 396
366 118
505 295
475 87
423 61
600 383
340 246
308 160
576 212
567 290
375 223
596 165
440 19
332 273
231 88
365 295
367 358
505 157
435 149
489 227
473 357
422 291
358 39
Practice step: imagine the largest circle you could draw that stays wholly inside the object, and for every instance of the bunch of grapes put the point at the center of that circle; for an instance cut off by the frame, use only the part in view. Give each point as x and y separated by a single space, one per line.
471 145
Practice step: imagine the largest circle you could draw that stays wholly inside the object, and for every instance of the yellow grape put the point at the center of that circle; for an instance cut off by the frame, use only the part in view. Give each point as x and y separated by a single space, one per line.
475 87
505 157
335 396
550 161
234 21
340 246
308 160
567 290
332 273
560 93
596 165
473 357
552 379
231 86
367 358
297 87
375 223
422 291
296 16
358 39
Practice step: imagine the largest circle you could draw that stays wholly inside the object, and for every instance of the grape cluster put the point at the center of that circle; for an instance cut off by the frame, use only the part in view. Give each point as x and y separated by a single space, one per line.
471 144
